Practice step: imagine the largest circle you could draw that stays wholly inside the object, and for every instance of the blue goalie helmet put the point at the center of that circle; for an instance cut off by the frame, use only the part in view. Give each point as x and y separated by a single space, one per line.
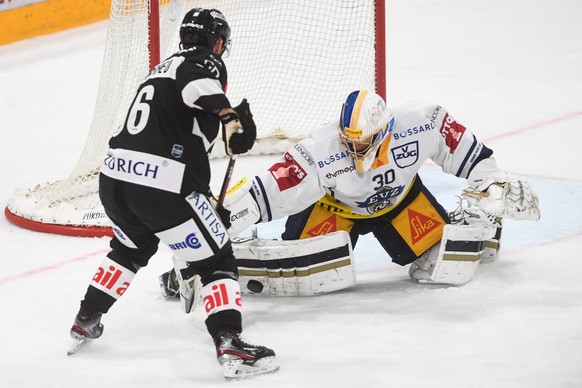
364 122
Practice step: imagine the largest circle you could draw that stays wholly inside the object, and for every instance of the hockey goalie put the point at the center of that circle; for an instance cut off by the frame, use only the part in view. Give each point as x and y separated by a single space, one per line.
359 175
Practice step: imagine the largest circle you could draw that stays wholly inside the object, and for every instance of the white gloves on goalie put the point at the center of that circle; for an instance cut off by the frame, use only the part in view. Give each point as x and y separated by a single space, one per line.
501 195
243 208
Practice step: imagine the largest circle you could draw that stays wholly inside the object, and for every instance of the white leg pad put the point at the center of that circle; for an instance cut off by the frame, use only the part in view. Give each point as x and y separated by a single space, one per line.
456 258
305 267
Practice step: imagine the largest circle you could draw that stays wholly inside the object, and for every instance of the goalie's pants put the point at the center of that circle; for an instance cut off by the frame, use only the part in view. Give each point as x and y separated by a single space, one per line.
404 232
140 212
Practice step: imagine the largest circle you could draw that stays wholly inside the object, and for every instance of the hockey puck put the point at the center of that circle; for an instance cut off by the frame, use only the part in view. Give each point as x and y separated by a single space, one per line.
255 286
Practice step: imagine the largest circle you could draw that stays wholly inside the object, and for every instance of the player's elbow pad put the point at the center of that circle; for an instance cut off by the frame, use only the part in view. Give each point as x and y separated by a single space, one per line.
244 211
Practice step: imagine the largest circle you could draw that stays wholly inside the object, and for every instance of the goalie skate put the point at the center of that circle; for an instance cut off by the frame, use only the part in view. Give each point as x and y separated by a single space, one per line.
169 284
188 287
241 360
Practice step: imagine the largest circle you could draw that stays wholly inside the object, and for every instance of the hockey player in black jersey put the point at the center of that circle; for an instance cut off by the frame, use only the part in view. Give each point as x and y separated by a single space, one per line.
155 186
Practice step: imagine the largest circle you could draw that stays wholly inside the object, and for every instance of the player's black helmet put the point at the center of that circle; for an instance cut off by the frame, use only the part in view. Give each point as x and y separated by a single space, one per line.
202 27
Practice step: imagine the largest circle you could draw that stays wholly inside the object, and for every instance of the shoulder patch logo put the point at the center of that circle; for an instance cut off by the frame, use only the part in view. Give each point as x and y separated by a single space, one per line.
452 132
287 174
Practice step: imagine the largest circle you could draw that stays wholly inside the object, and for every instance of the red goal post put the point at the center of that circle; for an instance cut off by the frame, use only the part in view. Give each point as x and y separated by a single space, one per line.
294 60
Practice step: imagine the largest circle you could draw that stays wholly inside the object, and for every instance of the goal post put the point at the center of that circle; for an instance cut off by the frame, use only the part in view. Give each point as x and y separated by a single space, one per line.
294 60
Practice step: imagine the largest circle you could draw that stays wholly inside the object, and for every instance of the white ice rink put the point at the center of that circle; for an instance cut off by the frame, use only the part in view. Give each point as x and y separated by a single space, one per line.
511 70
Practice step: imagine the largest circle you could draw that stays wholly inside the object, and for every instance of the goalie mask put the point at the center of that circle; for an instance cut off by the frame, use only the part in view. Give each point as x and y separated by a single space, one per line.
203 27
364 122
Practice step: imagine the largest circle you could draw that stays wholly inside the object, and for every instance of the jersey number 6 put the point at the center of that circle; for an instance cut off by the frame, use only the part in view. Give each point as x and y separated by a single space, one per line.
139 113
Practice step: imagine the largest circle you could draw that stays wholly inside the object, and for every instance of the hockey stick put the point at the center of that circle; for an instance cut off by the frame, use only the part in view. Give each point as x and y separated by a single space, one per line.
226 181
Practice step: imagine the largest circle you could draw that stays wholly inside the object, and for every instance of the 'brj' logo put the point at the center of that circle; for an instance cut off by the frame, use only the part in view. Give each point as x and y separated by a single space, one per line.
191 241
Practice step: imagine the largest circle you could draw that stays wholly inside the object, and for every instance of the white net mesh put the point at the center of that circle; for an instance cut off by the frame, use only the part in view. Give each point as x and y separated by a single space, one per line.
294 60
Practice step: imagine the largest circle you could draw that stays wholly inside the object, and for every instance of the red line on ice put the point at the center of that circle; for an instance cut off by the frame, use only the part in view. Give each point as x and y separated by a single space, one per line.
51 267
541 124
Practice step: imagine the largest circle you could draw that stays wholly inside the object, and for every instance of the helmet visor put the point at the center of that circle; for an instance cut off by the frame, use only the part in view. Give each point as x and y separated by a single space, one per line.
359 147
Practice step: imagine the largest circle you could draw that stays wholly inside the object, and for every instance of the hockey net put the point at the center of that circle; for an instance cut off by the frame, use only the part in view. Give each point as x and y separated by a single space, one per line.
294 60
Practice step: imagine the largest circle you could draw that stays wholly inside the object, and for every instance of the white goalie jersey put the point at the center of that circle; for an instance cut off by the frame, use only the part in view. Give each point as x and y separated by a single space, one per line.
319 168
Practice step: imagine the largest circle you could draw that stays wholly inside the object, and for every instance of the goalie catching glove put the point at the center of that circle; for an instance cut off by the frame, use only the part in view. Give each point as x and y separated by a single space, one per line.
499 194
238 129
513 199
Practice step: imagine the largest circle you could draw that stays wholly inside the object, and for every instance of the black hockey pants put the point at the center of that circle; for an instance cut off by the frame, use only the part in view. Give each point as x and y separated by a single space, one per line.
142 216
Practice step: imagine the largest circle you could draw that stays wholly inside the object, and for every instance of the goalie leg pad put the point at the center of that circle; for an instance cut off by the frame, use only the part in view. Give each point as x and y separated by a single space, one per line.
455 259
304 267
492 246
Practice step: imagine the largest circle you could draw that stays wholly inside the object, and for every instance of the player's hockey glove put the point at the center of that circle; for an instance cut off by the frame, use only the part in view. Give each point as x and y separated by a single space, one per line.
241 140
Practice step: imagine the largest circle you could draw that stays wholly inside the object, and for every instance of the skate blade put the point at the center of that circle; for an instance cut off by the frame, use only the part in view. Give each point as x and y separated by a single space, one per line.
236 370
77 345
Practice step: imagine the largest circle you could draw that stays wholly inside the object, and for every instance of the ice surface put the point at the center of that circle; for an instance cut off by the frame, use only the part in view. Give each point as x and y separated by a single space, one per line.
511 71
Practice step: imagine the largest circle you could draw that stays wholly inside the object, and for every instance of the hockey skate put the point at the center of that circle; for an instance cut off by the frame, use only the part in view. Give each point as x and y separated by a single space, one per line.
242 360
86 328
421 269
169 285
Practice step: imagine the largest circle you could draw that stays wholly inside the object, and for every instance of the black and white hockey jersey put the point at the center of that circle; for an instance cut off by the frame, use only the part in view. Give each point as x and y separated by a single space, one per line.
171 125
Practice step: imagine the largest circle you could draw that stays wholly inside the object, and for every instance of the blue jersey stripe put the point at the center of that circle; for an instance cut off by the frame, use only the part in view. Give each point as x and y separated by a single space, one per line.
262 187
467 155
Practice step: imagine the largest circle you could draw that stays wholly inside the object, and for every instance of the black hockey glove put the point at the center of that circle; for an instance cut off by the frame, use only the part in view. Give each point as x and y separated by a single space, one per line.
242 142
224 215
